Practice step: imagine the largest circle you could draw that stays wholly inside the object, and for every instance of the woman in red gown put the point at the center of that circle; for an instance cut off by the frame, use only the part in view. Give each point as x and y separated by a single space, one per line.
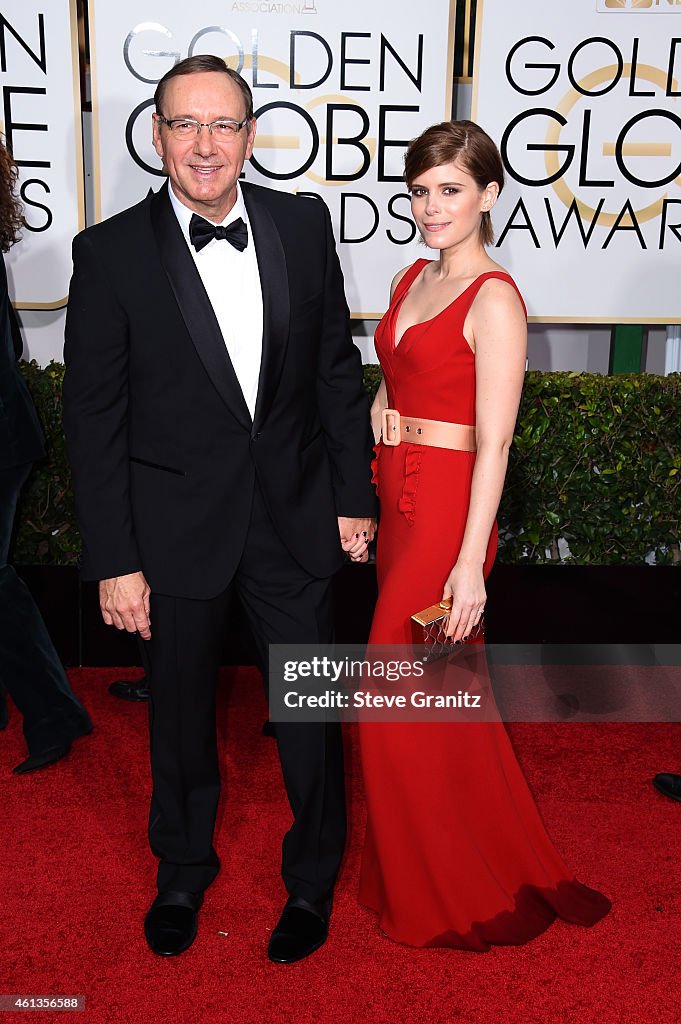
456 853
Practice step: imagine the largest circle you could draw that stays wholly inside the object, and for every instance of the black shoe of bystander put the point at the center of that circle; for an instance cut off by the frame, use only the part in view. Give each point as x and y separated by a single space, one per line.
137 691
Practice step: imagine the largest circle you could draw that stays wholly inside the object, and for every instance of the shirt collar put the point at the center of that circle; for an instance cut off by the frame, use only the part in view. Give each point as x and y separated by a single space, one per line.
184 214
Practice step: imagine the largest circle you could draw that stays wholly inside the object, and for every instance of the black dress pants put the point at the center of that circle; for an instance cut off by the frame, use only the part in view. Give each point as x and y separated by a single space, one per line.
284 604
30 669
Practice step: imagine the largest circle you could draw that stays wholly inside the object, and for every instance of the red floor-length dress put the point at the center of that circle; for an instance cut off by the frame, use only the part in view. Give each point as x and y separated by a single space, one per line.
456 853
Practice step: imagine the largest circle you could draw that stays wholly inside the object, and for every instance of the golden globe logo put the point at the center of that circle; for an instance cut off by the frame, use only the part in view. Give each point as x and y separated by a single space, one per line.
611 143
660 6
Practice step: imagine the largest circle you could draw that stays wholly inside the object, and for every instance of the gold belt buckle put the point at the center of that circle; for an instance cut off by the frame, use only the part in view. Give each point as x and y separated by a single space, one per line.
391 427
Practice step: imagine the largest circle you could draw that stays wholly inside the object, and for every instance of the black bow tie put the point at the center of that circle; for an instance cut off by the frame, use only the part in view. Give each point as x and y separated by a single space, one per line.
201 232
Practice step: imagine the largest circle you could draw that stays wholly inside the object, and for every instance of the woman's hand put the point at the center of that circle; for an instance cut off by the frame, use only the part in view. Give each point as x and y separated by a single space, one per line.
355 536
466 586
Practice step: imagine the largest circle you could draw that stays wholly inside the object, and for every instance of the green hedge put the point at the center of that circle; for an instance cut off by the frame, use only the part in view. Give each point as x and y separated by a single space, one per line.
46 520
594 474
595 461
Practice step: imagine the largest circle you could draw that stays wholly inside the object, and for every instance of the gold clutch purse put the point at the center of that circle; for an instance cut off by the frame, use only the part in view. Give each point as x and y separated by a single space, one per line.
429 630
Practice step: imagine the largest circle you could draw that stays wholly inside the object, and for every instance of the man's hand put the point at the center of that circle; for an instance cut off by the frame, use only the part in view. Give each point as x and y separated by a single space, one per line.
124 601
355 537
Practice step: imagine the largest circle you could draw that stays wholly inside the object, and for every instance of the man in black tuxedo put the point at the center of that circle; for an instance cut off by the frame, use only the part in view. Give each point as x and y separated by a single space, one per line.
220 443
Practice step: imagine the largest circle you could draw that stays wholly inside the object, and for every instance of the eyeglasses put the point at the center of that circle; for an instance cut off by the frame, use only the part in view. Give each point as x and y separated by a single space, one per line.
223 129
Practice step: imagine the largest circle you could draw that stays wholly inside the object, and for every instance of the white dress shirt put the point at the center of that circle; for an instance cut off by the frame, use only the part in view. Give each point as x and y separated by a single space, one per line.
232 281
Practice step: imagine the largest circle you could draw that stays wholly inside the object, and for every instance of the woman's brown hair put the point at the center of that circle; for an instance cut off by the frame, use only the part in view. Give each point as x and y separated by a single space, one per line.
11 210
462 142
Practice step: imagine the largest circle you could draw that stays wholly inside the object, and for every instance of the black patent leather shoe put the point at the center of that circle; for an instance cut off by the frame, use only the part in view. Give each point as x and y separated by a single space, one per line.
298 934
42 760
138 690
669 784
171 923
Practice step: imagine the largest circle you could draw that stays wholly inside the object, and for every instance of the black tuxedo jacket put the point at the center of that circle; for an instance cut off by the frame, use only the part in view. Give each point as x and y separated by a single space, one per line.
163 448
21 439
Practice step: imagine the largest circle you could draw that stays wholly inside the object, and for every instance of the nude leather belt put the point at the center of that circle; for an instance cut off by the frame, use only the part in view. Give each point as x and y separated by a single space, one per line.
436 433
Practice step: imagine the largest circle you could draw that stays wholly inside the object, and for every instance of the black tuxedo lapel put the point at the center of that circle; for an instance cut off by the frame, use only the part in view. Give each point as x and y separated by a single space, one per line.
275 300
195 306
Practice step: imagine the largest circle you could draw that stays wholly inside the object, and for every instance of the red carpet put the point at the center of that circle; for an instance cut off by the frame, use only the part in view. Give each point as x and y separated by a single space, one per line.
78 879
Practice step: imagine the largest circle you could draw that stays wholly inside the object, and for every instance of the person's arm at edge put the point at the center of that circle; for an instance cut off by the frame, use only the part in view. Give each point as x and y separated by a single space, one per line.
95 400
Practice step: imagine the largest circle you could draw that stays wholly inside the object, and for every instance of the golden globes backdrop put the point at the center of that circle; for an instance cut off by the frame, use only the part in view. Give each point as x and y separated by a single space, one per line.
584 98
339 89
42 127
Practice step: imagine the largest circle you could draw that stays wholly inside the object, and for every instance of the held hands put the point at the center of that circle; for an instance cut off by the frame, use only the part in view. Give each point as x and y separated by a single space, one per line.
355 537
124 601
466 586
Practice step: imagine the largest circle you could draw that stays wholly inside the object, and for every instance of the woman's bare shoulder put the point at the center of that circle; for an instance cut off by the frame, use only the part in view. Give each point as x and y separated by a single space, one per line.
498 292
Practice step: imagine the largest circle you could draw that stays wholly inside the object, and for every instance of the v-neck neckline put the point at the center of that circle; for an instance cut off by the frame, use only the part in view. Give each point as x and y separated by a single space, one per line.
422 323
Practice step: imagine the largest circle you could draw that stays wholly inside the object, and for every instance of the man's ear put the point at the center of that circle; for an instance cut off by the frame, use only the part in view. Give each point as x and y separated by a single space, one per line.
251 138
156 135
